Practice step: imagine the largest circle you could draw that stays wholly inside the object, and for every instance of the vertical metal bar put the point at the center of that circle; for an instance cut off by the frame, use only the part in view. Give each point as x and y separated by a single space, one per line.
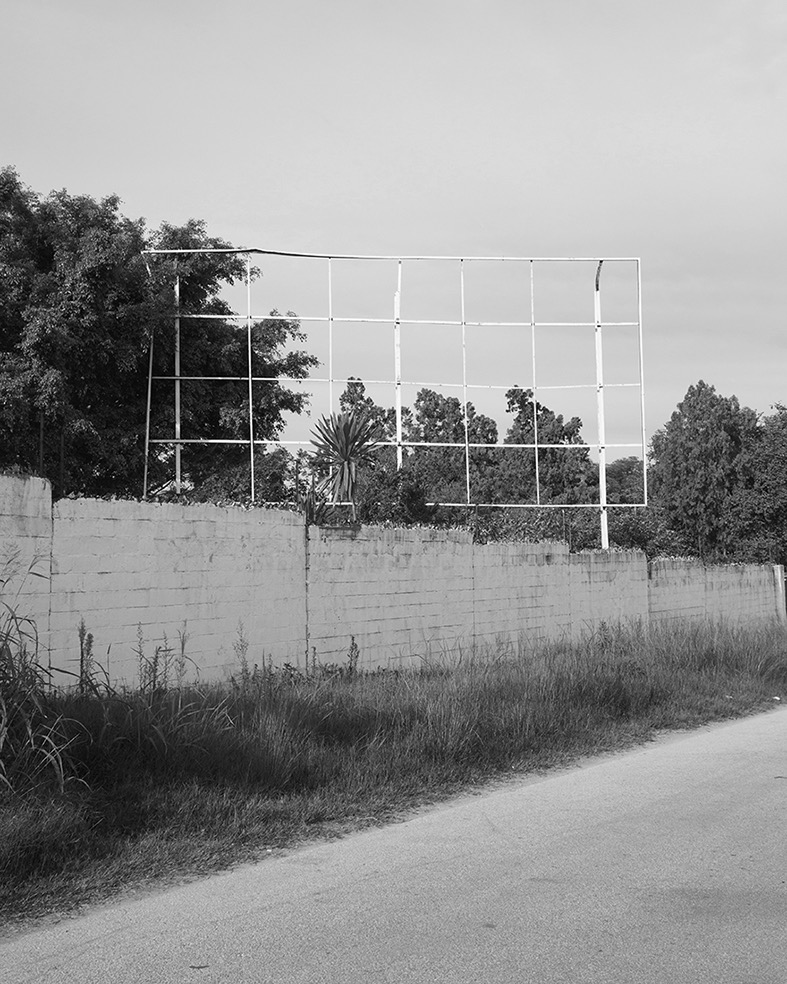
177 384
464 379
642 386
398 364
251 373
330 338
602 450
533 359
147 419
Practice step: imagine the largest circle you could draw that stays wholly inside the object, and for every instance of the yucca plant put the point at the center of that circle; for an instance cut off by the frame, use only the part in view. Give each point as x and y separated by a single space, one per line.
344 442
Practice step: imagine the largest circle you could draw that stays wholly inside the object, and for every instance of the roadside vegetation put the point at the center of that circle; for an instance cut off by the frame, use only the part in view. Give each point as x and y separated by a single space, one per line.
104 790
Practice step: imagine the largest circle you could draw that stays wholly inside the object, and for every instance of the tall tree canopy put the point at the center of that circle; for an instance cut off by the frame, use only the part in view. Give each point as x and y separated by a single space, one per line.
762 503
703 469
438 418
77 310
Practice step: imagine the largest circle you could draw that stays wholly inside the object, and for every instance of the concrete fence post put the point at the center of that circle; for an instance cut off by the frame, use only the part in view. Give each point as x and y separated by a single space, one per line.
778 578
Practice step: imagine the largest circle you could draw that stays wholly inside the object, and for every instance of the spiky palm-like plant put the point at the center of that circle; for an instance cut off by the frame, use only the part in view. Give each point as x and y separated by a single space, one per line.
343 442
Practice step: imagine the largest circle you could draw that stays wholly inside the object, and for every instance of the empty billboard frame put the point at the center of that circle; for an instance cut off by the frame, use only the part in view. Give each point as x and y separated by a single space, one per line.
584 319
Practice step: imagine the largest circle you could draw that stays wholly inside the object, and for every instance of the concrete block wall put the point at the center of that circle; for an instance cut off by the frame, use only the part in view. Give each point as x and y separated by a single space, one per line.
521 592
159 568
25 547
403 594
677 590
687 589
607 586
740 592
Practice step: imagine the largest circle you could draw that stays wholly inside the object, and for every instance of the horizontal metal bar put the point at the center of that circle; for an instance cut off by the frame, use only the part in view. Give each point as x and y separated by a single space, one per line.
479 386
507 324
360 256
549 324
445 322
325 379
393 444
288 379
218 317
538 505
513 505
566 386
254 379
503 447
389 382
496 505
211 440
548 386
461 445
197 440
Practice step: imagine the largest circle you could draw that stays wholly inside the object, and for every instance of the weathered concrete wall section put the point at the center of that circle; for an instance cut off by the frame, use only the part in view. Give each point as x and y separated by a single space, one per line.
403 594
607 587
522 592
688 589
26 547
201 569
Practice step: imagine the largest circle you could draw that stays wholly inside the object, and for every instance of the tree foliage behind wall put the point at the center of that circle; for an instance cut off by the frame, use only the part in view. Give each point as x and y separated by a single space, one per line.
77 310
497 474
718 476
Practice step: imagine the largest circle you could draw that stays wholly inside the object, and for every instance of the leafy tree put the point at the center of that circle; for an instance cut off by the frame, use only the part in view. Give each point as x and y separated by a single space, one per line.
761 504
74 306
645 529
579 528
564 476
703 470
387 494
275 480
624 480
77 310
355 400
496 475
437 472
440 418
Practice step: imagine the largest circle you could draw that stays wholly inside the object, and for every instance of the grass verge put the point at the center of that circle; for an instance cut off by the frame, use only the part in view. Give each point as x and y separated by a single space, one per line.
102 791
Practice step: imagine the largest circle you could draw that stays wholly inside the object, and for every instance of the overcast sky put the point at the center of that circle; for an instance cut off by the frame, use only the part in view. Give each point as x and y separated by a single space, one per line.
502 127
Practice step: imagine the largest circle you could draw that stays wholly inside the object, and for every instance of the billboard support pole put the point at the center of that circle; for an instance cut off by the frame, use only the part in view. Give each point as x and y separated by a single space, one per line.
177 385
602 440
249 325
398 364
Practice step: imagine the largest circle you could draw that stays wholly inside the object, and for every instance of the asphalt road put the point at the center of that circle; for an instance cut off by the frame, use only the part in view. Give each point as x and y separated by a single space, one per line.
667 864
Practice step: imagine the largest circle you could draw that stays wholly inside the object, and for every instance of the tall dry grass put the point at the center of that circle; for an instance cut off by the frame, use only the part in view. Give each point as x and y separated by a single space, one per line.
104 786
34 743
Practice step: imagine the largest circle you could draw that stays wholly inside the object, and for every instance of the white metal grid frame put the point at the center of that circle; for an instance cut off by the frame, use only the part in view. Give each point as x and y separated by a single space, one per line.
395 322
